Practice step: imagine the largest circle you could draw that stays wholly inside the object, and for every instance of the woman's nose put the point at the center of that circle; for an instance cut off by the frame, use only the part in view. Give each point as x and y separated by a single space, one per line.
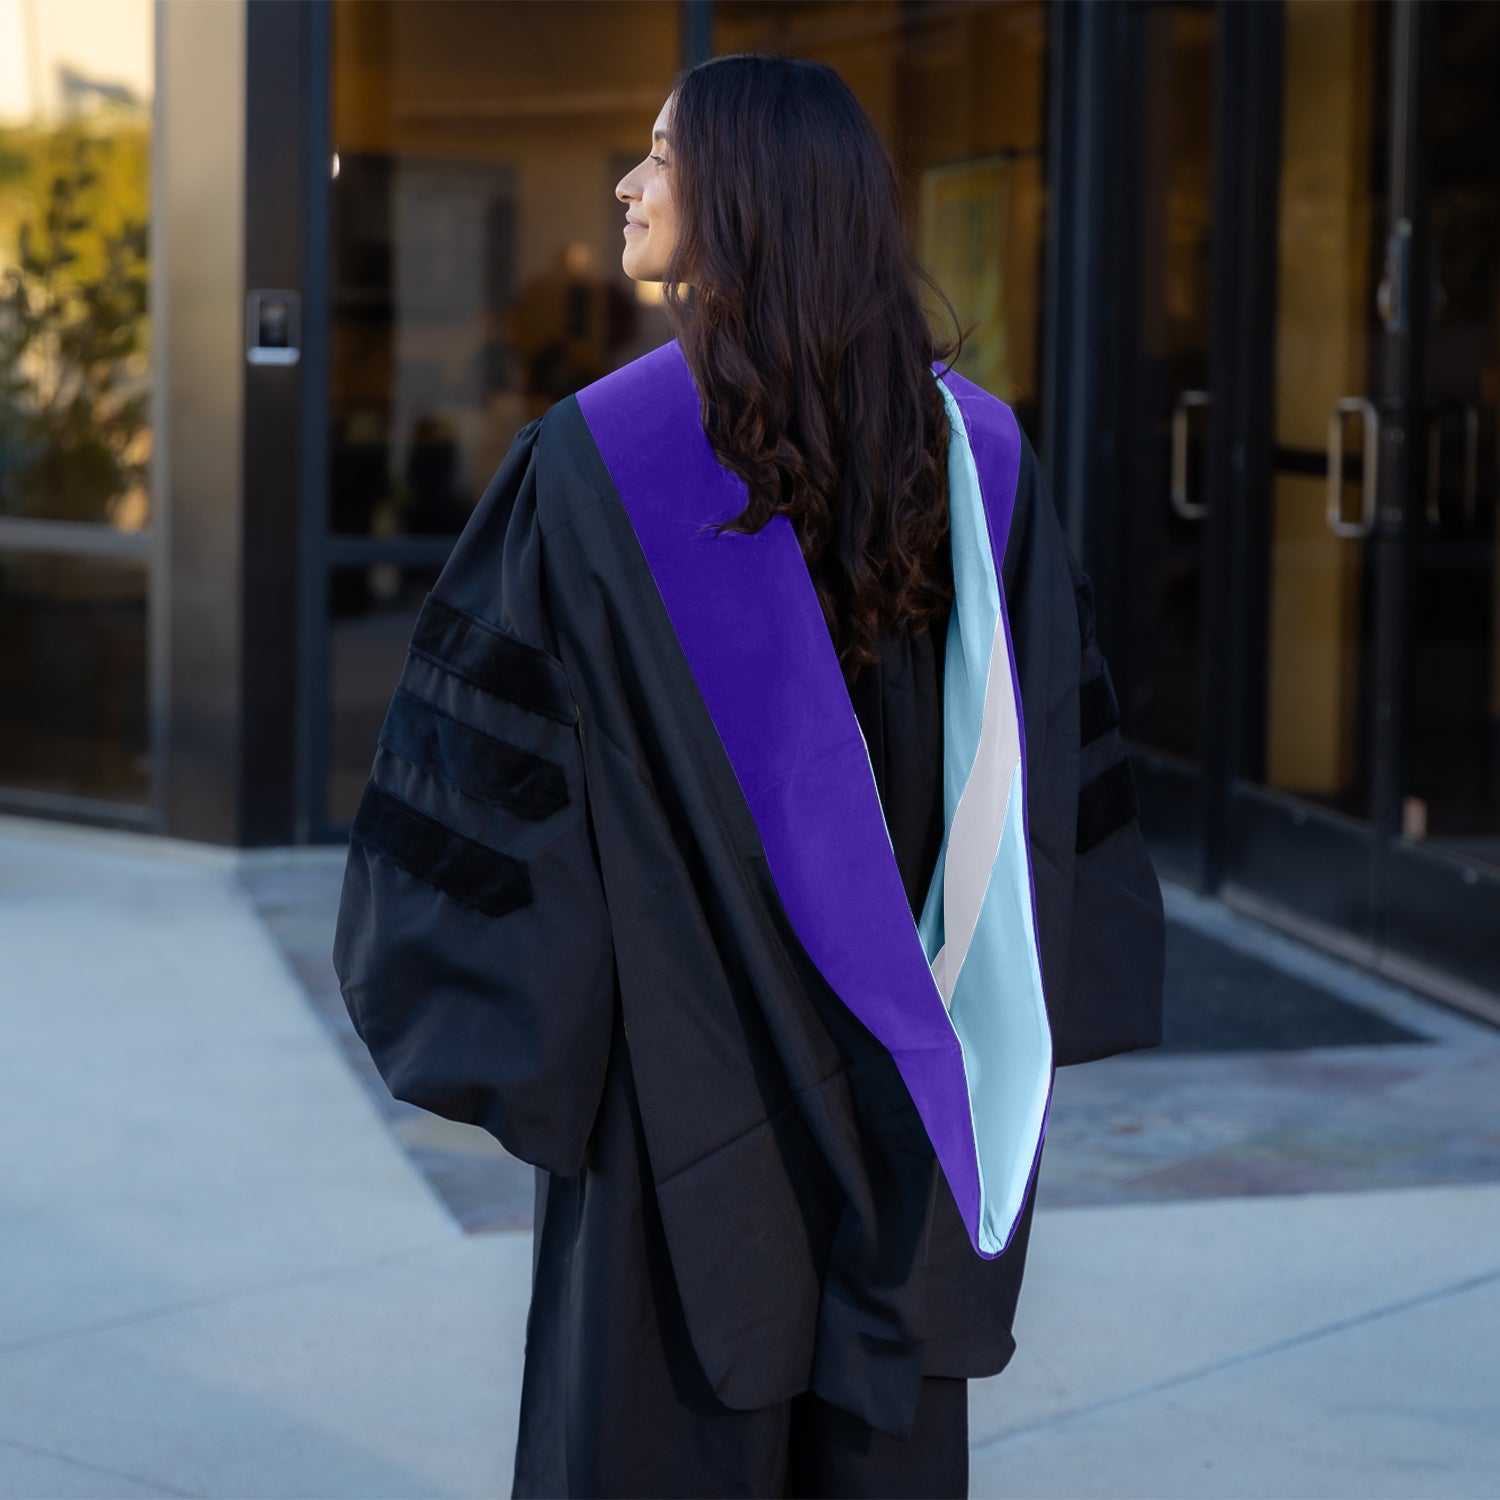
627 189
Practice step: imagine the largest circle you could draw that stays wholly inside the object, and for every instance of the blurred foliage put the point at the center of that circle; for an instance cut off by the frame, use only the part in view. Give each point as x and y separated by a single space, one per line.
74 271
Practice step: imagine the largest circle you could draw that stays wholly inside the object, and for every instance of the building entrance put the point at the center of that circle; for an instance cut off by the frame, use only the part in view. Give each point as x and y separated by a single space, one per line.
1309 610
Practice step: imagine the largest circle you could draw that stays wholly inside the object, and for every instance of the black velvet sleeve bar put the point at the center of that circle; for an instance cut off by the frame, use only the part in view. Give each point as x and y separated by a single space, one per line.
473 944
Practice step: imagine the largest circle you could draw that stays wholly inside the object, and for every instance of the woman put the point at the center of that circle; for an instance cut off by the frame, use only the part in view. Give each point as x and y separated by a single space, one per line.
750 837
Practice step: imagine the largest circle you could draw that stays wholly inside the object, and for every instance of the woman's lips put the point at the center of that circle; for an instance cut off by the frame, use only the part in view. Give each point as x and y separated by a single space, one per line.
631 224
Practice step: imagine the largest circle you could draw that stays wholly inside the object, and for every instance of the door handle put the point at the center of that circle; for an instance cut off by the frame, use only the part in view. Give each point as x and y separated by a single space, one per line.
1189 510
1352 406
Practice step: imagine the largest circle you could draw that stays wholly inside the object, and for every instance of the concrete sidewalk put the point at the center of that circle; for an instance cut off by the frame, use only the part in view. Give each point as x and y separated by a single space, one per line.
227 1272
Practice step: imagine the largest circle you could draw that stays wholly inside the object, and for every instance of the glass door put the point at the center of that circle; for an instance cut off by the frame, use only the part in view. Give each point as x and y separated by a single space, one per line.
1364 802
1296 548
1444 885
1163 299
1301 832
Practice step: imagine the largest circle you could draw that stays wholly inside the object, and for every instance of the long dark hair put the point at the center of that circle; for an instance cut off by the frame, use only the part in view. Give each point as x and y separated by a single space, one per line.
797 301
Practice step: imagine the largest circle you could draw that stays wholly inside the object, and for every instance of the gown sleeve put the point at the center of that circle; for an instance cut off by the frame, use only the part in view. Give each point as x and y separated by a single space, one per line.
472 945
1117 956
1104 933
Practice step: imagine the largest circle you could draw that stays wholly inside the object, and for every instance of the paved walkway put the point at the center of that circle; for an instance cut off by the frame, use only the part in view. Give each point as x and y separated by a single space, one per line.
230 1270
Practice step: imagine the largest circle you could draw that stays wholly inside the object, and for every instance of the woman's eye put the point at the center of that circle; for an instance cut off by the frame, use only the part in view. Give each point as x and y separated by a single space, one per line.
660 161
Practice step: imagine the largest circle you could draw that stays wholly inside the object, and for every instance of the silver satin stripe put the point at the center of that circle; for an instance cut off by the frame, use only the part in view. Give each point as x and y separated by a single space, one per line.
979 818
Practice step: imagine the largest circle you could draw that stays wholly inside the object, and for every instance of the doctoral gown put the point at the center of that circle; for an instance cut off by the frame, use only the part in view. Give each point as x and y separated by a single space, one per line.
766 975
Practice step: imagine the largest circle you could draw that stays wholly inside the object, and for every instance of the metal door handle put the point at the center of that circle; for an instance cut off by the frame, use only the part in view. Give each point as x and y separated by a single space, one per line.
1349 406
1189 510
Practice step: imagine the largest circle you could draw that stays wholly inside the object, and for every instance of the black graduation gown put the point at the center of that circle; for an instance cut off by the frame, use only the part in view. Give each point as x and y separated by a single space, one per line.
614 1401
557 922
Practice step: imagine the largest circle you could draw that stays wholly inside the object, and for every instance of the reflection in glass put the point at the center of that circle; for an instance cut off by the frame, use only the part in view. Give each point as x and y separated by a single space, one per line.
73 676
1319 629
957 91
476 238
1168 401
1453 695
75 135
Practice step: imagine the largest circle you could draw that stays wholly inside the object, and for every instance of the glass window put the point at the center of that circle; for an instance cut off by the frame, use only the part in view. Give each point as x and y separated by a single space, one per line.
73 676
958 92
1166 404
476 238
75 138
76 91
475 280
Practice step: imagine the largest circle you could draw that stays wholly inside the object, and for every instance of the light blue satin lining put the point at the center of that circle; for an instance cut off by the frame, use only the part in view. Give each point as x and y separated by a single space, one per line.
998 1011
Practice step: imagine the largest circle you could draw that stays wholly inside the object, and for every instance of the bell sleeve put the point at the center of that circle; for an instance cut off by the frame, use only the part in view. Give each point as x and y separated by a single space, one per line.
473 946
1116 964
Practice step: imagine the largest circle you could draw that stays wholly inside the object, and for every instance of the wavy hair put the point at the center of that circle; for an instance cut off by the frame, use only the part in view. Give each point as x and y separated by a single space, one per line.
797 300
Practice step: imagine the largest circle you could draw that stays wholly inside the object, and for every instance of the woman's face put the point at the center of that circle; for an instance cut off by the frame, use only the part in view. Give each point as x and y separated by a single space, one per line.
650 212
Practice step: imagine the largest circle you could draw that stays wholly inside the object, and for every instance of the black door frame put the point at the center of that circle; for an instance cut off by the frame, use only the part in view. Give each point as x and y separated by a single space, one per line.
1237 482
312 641
1401 401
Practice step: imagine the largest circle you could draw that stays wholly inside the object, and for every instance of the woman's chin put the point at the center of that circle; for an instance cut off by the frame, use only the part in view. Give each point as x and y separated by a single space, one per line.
638 267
